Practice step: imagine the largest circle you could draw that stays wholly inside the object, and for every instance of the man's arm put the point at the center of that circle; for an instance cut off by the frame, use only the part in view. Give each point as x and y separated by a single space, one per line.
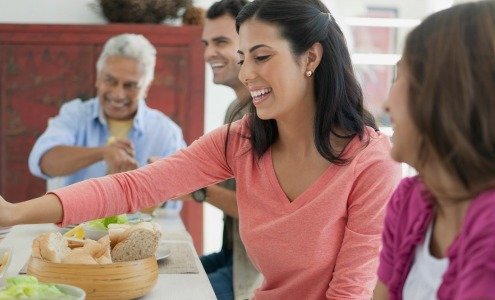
65 160
223 199
220 197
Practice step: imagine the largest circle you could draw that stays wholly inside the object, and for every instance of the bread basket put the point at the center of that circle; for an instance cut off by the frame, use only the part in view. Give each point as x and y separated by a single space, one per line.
121 280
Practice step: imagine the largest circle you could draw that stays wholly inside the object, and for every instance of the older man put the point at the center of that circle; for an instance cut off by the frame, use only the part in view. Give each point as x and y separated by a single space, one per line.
115 131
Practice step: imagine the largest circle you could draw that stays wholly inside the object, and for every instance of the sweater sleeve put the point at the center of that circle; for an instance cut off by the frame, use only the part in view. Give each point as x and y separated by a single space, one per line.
203 163
376 176
475 259
387 254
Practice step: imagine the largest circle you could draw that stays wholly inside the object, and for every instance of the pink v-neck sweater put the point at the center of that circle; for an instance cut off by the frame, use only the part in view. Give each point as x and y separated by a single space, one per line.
324 244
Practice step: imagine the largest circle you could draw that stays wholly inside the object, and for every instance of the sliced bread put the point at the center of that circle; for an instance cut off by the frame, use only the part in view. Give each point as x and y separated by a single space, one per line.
50 246
137 242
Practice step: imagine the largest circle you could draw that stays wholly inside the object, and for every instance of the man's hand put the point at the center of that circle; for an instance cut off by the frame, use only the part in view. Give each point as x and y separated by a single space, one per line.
119 156
152 159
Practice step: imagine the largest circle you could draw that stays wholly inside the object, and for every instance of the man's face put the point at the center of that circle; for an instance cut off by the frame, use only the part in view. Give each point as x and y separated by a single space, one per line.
119 86
221 44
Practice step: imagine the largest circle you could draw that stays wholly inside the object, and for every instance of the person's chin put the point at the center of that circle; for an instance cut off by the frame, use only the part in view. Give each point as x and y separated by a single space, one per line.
263 115
217 79
117 115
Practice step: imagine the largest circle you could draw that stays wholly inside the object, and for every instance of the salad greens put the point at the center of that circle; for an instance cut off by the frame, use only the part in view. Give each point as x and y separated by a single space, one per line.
28 287
103 223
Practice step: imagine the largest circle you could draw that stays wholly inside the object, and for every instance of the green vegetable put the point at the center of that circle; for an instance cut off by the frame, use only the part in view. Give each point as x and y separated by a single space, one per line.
103 223
28 287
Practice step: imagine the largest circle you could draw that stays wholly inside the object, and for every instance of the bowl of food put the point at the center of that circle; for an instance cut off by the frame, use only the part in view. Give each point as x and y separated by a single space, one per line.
121 265
121 280
98 228
28 287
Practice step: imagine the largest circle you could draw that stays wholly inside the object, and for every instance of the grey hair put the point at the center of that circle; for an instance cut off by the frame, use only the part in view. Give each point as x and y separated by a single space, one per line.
130 45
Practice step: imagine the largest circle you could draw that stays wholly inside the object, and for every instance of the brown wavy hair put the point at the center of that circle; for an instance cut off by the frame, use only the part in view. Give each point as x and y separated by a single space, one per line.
450 57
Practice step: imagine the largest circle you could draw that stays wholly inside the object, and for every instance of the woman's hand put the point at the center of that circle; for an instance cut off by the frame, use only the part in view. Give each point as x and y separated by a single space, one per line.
29 212
6 214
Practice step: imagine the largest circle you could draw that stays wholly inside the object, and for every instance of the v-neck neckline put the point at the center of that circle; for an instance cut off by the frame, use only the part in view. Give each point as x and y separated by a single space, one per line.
307 195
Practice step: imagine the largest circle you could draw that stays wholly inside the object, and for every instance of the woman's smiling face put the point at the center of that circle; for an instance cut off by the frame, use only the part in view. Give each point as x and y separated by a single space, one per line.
274 76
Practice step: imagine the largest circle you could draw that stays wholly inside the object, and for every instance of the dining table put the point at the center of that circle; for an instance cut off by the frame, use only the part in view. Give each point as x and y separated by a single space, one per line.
183 276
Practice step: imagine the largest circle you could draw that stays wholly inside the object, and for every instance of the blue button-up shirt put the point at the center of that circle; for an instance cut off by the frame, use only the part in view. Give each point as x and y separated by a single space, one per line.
82 124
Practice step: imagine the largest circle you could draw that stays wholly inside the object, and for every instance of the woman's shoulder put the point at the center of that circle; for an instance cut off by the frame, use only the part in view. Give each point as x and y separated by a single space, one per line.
377 140
411 186
480 216
410 198
237 133
372 149
371 144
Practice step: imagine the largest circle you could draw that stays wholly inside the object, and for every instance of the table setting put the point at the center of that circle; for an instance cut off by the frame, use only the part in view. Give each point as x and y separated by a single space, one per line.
180 274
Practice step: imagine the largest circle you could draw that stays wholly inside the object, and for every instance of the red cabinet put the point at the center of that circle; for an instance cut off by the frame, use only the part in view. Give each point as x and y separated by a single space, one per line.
46 65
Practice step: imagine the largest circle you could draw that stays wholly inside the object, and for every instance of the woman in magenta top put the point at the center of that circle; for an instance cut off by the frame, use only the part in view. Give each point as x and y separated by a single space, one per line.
313 174
439 236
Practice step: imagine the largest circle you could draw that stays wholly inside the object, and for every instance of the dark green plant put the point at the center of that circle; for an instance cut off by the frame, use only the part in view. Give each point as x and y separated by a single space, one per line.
142 11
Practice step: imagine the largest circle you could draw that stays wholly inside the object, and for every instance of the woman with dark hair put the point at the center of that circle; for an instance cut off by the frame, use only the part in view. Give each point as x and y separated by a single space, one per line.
313 174
439 232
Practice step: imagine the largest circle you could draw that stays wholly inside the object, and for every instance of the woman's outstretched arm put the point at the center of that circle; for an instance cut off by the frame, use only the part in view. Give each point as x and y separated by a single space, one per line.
44 209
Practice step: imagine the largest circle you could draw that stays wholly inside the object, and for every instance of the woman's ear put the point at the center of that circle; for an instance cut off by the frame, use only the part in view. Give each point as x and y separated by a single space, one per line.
313 57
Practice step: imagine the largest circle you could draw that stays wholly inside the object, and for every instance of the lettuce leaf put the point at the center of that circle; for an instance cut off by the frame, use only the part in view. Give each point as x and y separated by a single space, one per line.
103 223
28 287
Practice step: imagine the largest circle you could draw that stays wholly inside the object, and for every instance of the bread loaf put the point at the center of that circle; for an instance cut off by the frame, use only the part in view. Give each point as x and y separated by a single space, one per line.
79 256
116 233
50 246
123 243
136 242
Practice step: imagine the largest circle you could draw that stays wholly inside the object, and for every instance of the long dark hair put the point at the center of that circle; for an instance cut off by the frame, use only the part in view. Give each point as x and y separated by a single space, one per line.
450 59
339 100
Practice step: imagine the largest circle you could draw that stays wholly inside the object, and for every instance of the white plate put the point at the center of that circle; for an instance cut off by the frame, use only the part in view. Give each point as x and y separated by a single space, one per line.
92 233
5 258
5 230
162 252
138 217
97 233
74 291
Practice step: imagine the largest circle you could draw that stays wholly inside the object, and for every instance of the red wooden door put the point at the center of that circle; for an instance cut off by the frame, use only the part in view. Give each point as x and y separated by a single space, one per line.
46 65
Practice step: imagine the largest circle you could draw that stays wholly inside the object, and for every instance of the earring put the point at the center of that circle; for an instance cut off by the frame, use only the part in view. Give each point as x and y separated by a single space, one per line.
309 73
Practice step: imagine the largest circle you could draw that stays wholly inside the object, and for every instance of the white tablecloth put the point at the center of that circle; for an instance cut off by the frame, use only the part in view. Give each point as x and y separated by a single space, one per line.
169 286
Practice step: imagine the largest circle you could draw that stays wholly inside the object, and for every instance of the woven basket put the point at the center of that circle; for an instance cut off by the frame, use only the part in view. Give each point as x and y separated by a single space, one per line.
122 280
